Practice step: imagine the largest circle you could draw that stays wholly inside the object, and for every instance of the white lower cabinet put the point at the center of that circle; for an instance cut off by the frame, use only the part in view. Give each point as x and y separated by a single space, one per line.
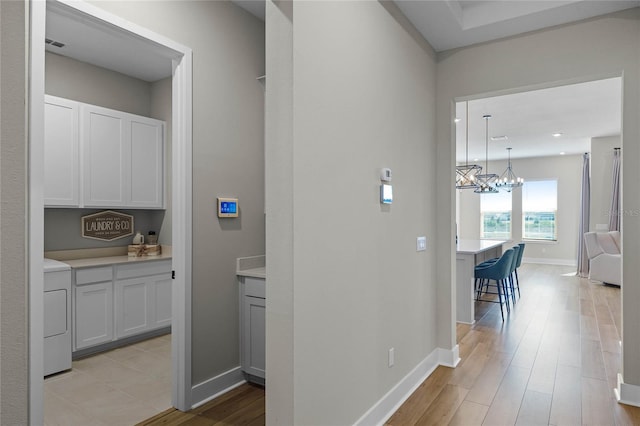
254 336
142 304
93 314
117 301
252 326
162 301
132 307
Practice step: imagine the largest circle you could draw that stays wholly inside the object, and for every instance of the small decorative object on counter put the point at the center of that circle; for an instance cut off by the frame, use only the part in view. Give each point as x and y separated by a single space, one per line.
138 239
137 250
152 238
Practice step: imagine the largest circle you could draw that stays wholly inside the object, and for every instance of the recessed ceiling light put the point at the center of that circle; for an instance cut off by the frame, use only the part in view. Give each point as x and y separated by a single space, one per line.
499 138
557 134
457 120
562 153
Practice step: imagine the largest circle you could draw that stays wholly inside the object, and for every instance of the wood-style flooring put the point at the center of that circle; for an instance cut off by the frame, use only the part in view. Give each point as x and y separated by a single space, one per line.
553 361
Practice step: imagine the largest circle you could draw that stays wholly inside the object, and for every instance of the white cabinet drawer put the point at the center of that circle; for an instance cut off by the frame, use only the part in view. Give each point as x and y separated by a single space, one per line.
57 280
254 287
94 275
142 269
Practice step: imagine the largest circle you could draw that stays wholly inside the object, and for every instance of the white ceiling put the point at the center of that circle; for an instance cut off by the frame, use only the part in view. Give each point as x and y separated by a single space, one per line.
450 24
579 111
89 40
529 119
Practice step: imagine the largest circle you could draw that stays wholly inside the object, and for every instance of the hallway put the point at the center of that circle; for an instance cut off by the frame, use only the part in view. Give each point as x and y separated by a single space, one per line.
554 360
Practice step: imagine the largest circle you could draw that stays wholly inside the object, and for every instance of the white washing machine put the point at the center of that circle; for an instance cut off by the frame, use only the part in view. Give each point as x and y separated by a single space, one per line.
57 316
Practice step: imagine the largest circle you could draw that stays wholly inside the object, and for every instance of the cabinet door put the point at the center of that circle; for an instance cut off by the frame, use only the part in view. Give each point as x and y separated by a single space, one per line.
61 158
106 165
147 163
161 301
253 351
133 310
93 314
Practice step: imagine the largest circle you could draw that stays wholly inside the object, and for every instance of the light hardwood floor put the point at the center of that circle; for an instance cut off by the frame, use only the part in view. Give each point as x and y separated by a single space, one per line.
553 361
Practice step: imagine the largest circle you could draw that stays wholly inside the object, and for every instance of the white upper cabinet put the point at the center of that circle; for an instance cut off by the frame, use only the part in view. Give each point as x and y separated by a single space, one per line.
61 153
105 142
122 160
147 162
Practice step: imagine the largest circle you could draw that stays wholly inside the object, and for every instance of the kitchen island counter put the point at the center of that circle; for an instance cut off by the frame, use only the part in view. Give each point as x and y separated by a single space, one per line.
469 253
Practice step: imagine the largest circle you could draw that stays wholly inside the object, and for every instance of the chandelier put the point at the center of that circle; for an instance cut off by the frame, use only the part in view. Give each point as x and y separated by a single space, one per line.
508 180
466 174
486 182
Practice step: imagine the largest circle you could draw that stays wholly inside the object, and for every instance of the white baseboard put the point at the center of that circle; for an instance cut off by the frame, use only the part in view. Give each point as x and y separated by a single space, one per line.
547 261
449 358
626 393
216 386
392 400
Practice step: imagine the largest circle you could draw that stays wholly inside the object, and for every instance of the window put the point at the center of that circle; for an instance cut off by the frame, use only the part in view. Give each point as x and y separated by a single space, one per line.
495 216
539 210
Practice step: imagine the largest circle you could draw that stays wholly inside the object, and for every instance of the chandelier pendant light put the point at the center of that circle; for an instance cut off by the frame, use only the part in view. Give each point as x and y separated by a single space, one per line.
509 180
486 181
466 173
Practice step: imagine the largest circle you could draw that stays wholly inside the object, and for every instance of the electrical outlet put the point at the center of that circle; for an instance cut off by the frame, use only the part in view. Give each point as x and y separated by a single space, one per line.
392 357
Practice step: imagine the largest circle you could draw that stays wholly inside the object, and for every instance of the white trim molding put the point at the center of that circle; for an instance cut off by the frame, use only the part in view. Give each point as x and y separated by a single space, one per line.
392 400
548 261
182 134
626 393
449 357
35 232
216 386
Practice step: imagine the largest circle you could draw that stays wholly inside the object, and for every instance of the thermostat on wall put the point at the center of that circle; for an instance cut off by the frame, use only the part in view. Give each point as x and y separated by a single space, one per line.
227 207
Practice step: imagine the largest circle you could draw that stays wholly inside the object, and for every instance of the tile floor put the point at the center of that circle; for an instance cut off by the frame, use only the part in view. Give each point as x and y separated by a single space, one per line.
120 387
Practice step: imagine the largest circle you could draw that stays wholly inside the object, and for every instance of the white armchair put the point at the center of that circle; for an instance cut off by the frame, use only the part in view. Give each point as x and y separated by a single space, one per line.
603 249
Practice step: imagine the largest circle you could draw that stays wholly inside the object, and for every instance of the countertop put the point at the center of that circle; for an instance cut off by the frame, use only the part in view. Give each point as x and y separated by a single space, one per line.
101 257
112 260
476 246
253 266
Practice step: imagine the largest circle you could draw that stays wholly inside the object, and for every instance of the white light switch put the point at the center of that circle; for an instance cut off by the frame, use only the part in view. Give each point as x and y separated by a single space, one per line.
421 244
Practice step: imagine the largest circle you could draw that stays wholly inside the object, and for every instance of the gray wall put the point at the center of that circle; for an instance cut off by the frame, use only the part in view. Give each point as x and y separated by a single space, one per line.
63 228
350 284
601 47
14 374
228 158
82 82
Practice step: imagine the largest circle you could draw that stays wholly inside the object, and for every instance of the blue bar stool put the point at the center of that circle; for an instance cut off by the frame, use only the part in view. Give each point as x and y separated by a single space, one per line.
518 263
512 271
499 272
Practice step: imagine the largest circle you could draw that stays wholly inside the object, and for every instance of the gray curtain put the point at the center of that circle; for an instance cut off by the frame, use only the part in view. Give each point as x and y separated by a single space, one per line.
583 259
614 211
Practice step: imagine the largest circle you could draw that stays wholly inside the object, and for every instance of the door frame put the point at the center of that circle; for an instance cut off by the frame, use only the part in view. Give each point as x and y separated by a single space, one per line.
182 112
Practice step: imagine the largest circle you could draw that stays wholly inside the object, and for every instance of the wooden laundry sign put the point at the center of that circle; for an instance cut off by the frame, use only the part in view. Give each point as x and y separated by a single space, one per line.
107 225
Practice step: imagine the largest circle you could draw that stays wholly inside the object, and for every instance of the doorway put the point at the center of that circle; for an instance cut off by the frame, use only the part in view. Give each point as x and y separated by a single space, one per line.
178 59
544 132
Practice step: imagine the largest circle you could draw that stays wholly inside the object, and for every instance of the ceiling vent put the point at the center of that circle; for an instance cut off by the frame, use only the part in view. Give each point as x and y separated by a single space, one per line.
53 42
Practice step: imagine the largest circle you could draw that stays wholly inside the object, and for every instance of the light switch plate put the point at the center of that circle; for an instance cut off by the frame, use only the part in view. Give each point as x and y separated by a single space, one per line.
421 243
